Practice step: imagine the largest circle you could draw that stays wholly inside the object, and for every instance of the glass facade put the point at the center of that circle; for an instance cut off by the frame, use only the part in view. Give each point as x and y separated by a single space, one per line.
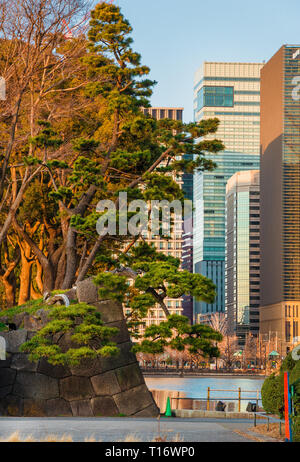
242 270
215 96
209 221
242 257
291 176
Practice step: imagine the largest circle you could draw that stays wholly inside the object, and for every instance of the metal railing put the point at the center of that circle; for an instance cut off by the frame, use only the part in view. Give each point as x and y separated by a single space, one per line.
239 398
264 415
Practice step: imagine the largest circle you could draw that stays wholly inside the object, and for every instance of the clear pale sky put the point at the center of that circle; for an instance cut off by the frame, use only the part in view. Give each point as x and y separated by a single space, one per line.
175 36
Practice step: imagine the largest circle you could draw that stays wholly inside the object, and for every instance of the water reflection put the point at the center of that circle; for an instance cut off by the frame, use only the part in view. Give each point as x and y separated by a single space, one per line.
196 387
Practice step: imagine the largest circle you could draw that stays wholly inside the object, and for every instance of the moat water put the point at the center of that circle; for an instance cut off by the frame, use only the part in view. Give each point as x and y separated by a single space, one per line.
196 387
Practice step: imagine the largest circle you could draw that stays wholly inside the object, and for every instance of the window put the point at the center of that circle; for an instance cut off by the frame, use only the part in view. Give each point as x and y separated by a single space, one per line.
287 331
215 97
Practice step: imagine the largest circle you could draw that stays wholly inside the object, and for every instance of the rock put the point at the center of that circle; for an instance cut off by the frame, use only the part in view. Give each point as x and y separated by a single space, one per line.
72 295
12 406
124 358
34 408
14 339
150 411
111 311
52 371
106 384
36 321
129 377
65 343
104 406
4 391
34 385
101 386
82 408
123 335
87 368
18 320
20 362
76 388
58 408
7 377
87 291
7 361
132 401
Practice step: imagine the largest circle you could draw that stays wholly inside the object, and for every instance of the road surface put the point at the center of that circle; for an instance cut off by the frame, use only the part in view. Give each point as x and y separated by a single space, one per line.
119 428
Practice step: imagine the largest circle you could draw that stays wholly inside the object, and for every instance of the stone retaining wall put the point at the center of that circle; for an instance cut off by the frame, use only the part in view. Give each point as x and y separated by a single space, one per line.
100 387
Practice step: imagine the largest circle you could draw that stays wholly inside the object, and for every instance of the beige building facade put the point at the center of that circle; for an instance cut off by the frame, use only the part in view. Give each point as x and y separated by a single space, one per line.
230 92
280 197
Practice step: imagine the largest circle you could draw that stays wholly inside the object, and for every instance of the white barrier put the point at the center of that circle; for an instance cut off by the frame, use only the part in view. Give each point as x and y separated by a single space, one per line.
2 349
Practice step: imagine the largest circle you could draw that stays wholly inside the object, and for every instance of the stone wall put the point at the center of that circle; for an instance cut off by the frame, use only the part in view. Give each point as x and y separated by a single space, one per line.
100 387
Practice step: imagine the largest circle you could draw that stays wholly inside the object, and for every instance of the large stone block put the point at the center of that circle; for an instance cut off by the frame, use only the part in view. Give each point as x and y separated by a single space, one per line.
124 358
87 368
12 406
104 406
34 408
76 388
58 408
150 411
106 384
18 320
87 291
111 311
7 361
48 369
4 391
20 362
14 339
34 385
123 335
132 401
129 376
82 408
34 322
64 341
7 377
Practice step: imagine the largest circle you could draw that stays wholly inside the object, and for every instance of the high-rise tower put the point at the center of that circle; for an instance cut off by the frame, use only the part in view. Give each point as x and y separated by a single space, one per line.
280 196
230 92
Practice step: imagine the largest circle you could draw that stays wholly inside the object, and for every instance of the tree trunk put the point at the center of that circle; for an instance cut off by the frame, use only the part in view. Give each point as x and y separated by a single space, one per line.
10 290
71 254
25 274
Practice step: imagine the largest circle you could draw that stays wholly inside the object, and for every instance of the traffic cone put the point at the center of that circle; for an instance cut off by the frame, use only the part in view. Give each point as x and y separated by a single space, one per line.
168 412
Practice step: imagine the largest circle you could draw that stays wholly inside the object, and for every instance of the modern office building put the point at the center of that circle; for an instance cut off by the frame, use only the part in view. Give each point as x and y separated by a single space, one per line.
280 196
174 113
230 92
209 224
242 262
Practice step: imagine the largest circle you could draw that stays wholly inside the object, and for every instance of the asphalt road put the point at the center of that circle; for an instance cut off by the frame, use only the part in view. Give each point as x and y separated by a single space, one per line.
118 429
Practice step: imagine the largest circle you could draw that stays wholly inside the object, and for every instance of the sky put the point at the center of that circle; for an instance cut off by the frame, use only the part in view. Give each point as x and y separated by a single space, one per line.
175 36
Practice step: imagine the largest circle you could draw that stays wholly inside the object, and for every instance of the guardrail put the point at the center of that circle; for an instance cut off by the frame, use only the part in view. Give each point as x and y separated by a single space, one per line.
239 398
264 415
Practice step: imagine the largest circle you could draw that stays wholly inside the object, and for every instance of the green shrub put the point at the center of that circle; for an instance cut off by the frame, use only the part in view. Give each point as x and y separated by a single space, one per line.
272 395
273 392
83 323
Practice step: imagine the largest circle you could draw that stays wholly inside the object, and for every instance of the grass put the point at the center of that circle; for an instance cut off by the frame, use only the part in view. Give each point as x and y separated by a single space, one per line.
29 307
273 432
130 438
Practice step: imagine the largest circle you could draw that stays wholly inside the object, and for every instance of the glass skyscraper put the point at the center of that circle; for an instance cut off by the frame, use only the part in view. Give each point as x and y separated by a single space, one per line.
230 92
209 223
242 267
